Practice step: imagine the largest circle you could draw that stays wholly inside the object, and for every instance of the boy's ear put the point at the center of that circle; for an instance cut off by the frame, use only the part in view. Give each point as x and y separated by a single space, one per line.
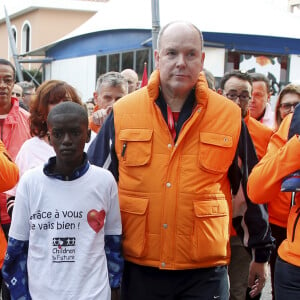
88 137
49 139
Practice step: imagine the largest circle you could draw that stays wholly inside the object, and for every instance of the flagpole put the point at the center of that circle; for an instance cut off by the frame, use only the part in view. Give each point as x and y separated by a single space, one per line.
155 24
13 47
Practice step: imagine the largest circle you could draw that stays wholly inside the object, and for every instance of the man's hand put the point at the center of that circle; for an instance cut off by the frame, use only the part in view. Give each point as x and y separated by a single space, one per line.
100 115
258 273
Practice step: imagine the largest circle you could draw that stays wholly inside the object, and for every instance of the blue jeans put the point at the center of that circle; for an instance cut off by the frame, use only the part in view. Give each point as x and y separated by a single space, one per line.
147 283
287 281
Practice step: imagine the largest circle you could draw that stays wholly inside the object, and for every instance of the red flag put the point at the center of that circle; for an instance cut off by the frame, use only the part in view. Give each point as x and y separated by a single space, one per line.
145 76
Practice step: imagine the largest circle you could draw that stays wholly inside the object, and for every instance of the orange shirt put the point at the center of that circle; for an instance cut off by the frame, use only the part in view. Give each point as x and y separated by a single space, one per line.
260 135
9 176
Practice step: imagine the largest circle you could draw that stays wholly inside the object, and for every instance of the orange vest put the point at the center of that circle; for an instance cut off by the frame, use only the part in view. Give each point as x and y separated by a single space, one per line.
9 175
175 199
260 135
9 172
269 172
278 203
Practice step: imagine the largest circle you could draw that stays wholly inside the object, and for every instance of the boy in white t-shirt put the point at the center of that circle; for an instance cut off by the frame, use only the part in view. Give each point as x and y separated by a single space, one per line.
65 236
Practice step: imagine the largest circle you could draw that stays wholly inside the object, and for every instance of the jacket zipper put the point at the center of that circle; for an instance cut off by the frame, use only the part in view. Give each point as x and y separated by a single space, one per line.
295 224
124 149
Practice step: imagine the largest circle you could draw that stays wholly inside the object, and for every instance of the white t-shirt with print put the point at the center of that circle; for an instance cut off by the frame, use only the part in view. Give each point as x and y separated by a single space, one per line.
63 222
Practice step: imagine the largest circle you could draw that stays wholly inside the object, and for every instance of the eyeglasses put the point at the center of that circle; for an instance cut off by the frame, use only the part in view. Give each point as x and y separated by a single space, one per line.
243 97
288 106
16 94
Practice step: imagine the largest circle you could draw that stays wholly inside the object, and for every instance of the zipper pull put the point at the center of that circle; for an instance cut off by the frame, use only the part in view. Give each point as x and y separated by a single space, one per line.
124 149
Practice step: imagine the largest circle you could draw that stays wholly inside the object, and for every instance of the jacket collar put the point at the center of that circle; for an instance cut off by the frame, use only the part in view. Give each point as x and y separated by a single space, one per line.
201 88
78 172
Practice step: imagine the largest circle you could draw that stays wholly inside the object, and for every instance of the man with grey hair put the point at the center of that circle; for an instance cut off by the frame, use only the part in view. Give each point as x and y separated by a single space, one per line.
110 87
170 147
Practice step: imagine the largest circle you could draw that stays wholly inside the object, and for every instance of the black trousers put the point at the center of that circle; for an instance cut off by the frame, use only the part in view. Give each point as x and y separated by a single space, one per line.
279 233
147 283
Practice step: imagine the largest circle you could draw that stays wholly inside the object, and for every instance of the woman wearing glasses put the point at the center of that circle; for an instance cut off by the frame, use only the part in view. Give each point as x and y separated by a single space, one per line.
287 100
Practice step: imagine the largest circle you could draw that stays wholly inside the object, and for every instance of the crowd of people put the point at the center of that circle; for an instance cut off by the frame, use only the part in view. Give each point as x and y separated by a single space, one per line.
178 190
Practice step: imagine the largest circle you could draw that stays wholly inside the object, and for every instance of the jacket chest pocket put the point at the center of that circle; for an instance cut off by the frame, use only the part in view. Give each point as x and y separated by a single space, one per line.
136 146
215 152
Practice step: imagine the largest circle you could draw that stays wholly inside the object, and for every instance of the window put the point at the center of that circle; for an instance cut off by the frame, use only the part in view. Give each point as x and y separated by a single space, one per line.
114 62
125 60
26 37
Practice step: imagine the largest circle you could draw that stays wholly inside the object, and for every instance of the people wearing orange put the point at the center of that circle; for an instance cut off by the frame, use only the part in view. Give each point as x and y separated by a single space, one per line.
171 145
231 84
9 176
110 87
279 204
14 130
282 159
237 86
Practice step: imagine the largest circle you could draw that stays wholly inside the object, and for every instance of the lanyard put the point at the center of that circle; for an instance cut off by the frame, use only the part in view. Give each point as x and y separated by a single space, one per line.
171 123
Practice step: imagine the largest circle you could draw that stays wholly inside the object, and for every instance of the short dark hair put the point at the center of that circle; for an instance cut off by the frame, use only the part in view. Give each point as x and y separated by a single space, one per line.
69 107
261 77
8 63
235 73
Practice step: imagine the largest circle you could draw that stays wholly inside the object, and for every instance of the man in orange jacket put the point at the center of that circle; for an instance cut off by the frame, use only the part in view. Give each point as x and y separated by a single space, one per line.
237 86
282 159
170 146
9 176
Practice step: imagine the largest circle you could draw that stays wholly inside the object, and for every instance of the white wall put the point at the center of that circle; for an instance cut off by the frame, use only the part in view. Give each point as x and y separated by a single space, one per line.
215 61
79 72
294 74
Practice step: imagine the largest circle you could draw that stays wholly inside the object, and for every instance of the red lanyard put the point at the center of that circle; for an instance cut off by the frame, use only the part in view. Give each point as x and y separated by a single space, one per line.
171 123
